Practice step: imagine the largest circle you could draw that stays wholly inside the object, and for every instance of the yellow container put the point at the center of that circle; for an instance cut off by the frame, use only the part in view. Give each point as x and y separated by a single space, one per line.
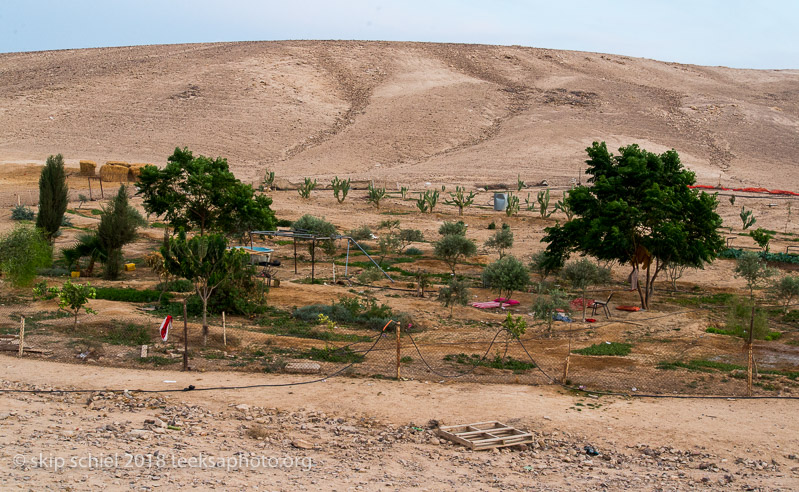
129 267
74 274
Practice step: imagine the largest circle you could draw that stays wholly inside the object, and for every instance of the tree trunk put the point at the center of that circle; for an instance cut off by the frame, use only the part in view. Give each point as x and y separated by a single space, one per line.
75 325
460 211
205 320
584 305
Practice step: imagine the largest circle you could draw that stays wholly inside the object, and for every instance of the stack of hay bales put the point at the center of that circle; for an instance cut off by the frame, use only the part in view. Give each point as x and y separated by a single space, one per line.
134 171
115 171
87 168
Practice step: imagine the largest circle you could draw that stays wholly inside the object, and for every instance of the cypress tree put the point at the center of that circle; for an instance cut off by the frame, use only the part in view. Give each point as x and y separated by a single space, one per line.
117 228
52 197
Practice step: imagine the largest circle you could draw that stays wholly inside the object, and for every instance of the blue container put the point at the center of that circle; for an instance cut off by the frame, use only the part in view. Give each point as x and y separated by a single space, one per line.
500 201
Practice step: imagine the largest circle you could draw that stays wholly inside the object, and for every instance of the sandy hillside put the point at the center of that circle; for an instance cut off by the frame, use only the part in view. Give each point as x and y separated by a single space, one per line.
409 112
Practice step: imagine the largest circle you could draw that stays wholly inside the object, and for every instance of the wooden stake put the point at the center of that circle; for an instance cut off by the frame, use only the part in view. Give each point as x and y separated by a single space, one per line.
185 338
313 257
749 372
398 351
295 255
566 365
224 330
22 336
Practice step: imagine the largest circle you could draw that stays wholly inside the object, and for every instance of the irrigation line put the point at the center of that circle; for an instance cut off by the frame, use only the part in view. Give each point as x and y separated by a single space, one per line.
474 367
194 388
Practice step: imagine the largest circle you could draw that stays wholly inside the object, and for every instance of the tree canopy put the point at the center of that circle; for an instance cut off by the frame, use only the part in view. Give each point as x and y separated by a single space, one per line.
639 211
506 275
201 193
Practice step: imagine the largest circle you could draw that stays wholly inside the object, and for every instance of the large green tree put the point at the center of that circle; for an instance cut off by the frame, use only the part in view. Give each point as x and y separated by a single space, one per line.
201 193
639 211
205 261
53 192
117 228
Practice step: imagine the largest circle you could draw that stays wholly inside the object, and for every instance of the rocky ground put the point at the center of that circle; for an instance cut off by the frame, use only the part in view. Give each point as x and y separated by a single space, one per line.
232 441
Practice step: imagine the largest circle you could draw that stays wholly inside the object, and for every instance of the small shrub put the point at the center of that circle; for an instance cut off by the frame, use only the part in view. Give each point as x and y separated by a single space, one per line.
21 212
369 275
284 223
361 233
448 228
66 221
412 251
606 348
492 226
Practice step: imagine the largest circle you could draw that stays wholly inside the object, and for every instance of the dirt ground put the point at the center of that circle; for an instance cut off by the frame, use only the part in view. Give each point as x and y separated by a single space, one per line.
350 434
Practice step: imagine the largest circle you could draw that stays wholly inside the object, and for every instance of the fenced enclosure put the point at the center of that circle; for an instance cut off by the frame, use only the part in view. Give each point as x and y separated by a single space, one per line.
594 358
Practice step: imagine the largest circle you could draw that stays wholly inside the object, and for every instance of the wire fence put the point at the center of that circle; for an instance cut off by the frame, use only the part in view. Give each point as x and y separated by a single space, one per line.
595 358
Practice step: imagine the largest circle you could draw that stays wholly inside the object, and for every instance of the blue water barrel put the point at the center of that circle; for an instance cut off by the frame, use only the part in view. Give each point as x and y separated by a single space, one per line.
500 201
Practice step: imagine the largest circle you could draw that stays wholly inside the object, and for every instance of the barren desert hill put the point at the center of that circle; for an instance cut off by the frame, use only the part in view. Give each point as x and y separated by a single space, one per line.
405 112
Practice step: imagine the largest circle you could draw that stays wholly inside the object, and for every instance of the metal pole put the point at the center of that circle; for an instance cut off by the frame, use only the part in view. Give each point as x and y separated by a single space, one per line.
347 262
313 257
398 350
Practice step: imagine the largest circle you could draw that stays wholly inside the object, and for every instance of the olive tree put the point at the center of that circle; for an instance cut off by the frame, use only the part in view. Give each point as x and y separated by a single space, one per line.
506 275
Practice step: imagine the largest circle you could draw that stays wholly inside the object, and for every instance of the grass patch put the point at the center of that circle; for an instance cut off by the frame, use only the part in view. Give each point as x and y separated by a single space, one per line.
128 294
719 299
127 334
498 362
699 365
606 348
770 336
330 354
158 360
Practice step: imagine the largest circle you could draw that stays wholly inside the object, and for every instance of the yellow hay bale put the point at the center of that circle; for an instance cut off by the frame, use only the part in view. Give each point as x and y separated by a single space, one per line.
117 163
114 173
135 170
87 168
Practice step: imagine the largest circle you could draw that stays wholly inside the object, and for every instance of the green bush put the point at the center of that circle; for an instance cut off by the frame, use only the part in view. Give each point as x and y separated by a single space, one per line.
23 251
284 223
606 348
21 212
361 233
179 285
413 251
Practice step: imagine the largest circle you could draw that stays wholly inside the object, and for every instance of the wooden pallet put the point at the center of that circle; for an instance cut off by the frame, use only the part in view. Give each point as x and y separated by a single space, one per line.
485 435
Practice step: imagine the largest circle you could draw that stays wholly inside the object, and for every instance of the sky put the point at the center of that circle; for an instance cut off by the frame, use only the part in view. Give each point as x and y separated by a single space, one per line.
735 33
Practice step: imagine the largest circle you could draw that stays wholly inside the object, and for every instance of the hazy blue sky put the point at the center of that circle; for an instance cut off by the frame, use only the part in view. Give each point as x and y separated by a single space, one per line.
735 33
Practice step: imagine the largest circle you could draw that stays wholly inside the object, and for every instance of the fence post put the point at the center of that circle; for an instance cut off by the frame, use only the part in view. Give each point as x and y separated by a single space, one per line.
398 351
749 365
566 365
185 338
21 336
224 330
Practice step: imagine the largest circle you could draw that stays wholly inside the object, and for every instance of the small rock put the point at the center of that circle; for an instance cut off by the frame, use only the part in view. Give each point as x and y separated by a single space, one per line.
302 444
